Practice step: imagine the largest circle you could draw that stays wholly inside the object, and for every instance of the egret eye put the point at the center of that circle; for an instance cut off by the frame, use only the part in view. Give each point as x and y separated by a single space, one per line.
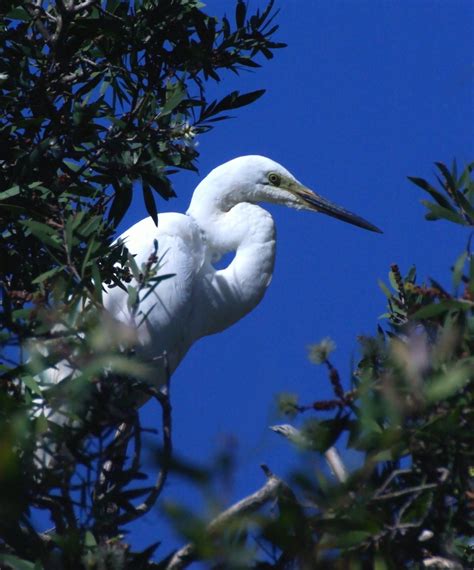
274 178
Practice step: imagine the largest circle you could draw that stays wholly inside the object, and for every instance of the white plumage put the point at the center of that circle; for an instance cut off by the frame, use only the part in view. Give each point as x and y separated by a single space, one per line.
224 216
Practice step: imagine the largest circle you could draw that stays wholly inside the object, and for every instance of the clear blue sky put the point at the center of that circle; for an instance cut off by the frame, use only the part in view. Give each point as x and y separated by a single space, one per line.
366 93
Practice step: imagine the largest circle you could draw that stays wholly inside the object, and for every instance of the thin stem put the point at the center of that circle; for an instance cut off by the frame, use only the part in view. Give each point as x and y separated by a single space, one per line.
336 465
163 397
270 491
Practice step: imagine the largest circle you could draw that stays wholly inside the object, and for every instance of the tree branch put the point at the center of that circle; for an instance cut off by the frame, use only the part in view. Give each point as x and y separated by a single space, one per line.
163 397
331 455
34 11
336 465
82 6
272 488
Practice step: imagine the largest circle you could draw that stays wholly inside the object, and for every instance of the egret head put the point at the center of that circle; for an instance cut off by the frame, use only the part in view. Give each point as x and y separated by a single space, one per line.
259 179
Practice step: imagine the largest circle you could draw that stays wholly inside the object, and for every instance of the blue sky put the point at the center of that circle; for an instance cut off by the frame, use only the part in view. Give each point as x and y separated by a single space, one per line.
367 93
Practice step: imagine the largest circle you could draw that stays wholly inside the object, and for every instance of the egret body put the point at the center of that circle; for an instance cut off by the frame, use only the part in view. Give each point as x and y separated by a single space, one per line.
224 216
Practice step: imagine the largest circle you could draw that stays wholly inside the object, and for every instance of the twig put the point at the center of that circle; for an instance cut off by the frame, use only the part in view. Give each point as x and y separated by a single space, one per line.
389 479
336 465
439 562
82 6
271 490
380 494
59 28
120 442
163 397
395 494
34 12
331 455
70 264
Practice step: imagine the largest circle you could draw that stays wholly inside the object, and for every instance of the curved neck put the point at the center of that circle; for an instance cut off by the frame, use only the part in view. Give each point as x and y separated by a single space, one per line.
249 231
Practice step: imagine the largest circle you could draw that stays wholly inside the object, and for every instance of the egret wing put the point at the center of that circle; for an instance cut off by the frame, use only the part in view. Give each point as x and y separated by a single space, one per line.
164 315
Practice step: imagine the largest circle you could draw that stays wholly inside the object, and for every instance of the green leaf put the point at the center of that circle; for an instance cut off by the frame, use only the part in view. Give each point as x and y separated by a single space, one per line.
150 203
97 279
31 383
176 94
91 248
450 182
287 403
13 191
393 281
352 538
68 239
47 274
240 13
411 275
121 201
471 274
89 540
90 226
465 177
380 564
386 291
445 385
435 194
44 233
437 212
458 269
436 309
466 208
320 435
18 13
133 266
16 563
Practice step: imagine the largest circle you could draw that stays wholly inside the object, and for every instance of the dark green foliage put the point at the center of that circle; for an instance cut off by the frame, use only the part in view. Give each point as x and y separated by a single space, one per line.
101 99
409 414
98 99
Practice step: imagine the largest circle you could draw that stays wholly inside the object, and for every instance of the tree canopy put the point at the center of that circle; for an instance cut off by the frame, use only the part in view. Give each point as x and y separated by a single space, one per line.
103 99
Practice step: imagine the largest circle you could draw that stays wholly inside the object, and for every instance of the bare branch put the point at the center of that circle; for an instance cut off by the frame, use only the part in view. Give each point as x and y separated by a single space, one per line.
407 491
163 397
381 495
336 465
270 491
332 457
389 479
58 30
34 11
439 562
82 6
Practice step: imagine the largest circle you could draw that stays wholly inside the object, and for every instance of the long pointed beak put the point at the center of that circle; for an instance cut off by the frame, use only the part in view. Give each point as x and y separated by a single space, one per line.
319 204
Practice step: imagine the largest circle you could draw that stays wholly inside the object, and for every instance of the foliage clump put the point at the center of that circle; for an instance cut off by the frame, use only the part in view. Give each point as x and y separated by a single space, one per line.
99 100
408 418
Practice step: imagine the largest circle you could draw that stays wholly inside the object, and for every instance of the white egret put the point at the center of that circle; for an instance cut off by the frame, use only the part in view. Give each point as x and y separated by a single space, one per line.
224 216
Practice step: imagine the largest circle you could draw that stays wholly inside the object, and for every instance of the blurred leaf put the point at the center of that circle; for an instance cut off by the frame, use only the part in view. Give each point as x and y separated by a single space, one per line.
13 191
47 275
150 203
439 213
458 269
16 563
445 385
44 233
435 194
436 309
386 291
287 403
176 94
31 383
240 13
319 352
